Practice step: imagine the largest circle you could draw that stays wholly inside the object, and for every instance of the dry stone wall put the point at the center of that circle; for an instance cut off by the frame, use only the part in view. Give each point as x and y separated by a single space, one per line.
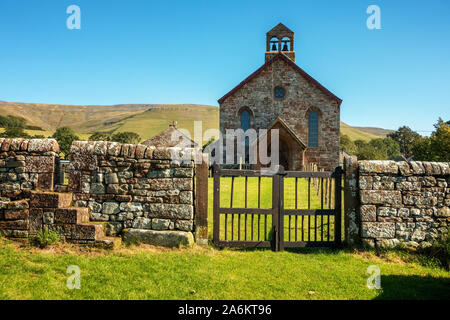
133 187
113 189
25 165
403 202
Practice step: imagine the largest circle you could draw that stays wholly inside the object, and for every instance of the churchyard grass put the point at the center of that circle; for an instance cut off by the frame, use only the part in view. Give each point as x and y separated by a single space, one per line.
145 272
141 272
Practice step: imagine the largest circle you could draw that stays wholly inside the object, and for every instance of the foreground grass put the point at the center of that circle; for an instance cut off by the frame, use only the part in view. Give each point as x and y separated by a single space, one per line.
206 273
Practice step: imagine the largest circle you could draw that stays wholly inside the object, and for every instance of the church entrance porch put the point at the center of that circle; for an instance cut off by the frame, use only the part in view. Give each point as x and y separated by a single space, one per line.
290 148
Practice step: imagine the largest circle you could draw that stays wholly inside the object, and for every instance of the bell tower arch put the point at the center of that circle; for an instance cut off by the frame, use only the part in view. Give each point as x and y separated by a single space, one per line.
280 39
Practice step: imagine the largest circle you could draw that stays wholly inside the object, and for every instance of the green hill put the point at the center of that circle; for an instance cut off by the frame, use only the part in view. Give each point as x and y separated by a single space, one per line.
356 134
145 119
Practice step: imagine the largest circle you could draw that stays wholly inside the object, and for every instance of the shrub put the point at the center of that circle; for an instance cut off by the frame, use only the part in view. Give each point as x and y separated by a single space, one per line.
439 251
65 136
126 137
45 238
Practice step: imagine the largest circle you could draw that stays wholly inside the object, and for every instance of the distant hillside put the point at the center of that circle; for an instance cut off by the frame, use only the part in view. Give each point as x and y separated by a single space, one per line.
51 116
356 134
375 131
145 119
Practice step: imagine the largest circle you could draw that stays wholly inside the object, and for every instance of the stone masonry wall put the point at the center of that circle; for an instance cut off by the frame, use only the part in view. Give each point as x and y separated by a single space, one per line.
25 165
403 202
132 186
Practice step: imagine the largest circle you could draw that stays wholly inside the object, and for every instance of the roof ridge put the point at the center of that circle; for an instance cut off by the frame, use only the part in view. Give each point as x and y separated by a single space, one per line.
280 55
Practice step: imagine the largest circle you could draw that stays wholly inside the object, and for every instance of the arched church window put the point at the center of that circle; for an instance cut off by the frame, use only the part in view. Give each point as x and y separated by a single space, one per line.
313 129
245 120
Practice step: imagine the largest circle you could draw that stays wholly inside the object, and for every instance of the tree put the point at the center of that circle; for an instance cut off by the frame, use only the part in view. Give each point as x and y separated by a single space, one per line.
377 149
126 137
100 136
12 121
65 136
436 147
347 144
14 132
405 137
387 147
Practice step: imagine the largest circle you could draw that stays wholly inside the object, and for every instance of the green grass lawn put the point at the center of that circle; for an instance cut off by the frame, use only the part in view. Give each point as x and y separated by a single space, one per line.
145 272
207 273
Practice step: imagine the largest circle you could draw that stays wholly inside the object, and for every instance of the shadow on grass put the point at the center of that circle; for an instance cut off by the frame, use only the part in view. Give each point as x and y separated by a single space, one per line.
305 250
399 287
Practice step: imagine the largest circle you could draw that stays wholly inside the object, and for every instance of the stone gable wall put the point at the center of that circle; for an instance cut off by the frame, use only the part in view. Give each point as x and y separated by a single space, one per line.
300 97
401 202
132 186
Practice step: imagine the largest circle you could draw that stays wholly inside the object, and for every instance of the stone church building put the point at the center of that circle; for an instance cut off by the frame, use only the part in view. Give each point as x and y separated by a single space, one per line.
280 95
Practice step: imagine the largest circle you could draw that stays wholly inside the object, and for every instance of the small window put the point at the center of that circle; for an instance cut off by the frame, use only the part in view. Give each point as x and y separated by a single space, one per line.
279 92
313 129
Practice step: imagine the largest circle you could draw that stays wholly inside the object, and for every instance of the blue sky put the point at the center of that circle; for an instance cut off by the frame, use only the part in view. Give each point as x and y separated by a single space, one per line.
196 51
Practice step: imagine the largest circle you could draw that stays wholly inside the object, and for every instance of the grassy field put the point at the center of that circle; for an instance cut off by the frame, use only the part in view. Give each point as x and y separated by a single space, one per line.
146 272
150 123
142 272
48 134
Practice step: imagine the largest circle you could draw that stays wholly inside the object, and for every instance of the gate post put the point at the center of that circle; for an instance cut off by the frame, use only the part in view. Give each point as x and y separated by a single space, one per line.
277 207
338 206
201 200
351 201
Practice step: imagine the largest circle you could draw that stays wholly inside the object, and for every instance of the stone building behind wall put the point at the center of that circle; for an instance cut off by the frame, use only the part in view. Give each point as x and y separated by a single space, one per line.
280 95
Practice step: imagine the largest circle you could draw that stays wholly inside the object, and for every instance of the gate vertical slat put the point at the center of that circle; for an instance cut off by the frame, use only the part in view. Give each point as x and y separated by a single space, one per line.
231 206
296 205
309 207
321 207
259 207
246 182
275 214
280 176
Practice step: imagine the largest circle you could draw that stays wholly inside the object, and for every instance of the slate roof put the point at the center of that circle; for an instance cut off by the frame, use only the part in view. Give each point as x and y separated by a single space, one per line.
168 138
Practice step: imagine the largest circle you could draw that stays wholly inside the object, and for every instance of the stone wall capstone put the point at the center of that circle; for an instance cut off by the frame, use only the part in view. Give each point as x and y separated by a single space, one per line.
403 202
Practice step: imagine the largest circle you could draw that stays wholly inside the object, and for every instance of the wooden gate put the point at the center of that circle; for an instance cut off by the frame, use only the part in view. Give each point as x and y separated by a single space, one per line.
304 208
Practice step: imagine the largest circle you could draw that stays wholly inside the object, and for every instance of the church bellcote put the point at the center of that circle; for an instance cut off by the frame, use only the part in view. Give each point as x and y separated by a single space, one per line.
280 39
